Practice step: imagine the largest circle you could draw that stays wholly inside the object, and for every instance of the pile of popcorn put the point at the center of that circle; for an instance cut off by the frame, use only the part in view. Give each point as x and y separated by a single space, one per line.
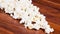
27 12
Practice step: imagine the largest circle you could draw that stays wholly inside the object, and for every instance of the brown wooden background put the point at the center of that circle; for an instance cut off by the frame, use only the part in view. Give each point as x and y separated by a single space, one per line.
50 8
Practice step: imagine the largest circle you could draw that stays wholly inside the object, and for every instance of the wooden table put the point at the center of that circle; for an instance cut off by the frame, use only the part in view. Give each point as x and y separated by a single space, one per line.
50 9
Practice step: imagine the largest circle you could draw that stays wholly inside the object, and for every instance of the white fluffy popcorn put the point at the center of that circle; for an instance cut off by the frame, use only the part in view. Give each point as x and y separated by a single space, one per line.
25 10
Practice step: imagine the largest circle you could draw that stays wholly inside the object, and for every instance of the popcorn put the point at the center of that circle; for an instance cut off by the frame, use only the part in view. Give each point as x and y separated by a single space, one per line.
25 10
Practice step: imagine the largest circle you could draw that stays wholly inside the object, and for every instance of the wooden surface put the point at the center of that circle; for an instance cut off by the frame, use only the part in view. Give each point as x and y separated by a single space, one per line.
10 26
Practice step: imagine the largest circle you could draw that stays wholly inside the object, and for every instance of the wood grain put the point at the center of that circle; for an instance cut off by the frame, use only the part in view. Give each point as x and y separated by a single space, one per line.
8 25
51 3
